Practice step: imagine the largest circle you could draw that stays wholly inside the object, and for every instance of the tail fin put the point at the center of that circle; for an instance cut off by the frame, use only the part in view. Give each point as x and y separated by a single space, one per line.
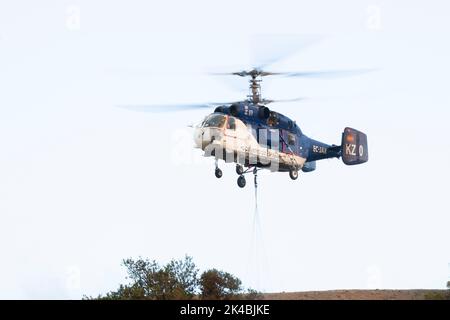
354 147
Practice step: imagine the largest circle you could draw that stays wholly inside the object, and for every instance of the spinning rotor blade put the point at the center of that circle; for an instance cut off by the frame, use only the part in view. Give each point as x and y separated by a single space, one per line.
268 49
171 107
267 101
250 73
241 73
330 74
164 108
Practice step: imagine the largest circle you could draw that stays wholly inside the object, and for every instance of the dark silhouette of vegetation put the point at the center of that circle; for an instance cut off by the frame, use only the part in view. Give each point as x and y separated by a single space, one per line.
442 295
176 280
217 284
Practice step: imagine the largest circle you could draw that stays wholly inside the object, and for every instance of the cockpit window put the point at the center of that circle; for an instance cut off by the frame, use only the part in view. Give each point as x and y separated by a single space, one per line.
214 120
231 123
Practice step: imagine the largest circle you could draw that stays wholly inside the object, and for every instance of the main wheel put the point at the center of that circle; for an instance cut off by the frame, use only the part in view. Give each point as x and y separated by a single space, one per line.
293 173
241 181
218 173
239 169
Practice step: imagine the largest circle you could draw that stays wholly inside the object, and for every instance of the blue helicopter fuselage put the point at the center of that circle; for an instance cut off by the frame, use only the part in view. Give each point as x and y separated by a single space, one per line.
290 138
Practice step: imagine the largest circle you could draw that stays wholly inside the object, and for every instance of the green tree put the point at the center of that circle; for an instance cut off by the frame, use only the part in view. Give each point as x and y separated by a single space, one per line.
176 280
215 284
448 290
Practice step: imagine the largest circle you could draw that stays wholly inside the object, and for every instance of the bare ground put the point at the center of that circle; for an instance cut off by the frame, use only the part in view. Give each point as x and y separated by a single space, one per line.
418 294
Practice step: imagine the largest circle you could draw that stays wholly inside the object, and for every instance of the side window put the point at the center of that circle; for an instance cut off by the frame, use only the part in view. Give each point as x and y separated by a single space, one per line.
291 139
231 123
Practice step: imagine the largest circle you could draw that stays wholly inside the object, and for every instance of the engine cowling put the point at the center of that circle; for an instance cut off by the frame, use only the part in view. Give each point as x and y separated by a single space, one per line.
234 110
219 109
245 111
263 112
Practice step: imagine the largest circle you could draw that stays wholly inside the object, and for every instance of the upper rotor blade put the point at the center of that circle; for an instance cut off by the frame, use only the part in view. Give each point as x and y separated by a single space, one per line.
327 74
269 49
241 73
244 73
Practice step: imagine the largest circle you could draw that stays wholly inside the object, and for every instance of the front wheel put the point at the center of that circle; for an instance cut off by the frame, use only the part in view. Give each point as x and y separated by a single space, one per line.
293 173
241 181
218 173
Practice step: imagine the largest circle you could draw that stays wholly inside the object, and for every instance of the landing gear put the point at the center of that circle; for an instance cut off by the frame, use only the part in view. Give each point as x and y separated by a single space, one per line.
218 172
293 173
240 171
241 181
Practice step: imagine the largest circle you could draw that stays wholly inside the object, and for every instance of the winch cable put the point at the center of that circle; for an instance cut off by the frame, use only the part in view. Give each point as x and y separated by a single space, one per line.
258 262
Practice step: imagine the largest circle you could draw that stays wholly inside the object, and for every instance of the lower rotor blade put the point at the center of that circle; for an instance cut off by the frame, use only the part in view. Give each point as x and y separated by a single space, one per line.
267 101
165 108
173 107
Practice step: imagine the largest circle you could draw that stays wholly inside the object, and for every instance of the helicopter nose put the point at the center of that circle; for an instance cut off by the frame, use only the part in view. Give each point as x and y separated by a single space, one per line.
206 136
198 137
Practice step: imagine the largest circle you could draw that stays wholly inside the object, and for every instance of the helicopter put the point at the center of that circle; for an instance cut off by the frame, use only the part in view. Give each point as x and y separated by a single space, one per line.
256 137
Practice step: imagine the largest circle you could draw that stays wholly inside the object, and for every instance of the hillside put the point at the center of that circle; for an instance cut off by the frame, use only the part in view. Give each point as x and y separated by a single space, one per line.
418 294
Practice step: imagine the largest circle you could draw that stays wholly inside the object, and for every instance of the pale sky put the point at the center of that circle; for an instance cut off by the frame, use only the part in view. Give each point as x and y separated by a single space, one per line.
84 184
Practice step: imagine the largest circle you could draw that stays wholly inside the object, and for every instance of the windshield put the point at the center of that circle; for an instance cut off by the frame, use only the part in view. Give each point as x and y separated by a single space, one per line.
214 120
